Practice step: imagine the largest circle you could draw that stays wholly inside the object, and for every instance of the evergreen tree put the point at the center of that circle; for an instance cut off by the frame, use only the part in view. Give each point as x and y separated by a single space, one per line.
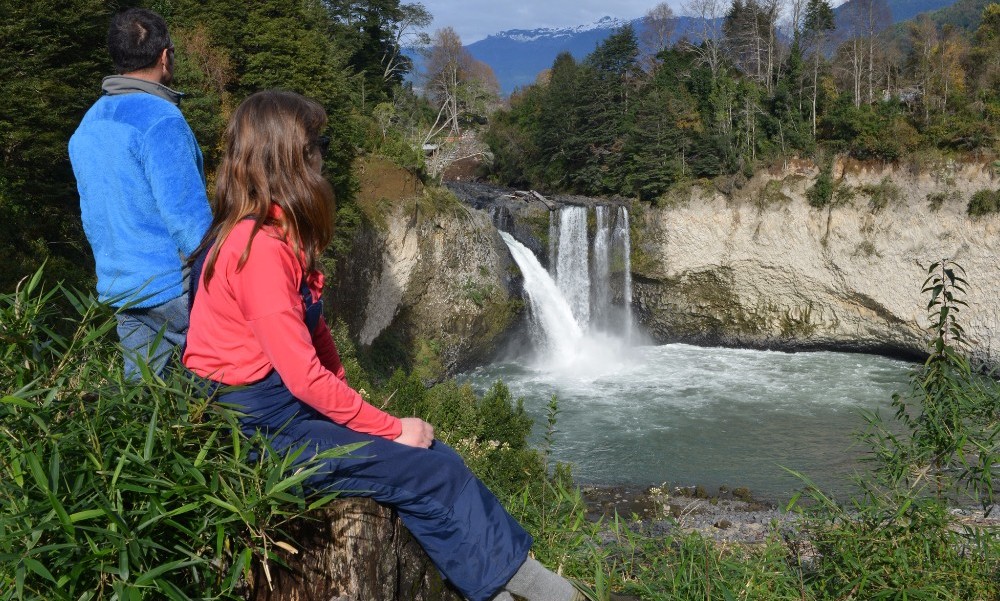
609 77
560 121
666 122
54 55
751 38
370 34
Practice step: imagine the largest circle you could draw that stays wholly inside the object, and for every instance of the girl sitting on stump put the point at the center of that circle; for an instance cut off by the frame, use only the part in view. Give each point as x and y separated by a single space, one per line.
257 322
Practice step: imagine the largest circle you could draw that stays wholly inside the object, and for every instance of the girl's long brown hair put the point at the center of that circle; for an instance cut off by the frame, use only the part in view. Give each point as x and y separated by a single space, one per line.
271 146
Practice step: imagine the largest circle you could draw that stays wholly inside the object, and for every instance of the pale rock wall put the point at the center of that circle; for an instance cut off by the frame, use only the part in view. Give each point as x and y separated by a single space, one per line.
437 285
762 268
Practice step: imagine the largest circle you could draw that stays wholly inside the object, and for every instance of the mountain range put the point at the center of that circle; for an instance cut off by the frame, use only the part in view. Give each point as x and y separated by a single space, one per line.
517 56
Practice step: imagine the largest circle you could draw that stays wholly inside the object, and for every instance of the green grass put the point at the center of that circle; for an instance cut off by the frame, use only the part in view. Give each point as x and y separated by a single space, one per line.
112 490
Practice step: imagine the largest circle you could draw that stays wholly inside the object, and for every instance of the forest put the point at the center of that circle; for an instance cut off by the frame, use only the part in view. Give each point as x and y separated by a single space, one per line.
348 55
763 82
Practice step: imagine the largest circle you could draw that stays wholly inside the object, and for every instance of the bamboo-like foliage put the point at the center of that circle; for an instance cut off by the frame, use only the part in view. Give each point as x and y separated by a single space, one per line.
117 490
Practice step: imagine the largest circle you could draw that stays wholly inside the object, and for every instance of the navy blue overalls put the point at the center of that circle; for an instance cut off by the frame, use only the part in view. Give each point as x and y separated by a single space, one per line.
468 535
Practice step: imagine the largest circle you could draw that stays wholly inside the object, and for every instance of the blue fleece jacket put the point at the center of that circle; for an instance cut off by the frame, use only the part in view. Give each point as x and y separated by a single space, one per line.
142 195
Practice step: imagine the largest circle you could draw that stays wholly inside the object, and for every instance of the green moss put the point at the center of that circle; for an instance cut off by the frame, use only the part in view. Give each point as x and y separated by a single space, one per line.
682 192
797 323
537 222
880 195
984 202
771 194
642 261
719 308
427 362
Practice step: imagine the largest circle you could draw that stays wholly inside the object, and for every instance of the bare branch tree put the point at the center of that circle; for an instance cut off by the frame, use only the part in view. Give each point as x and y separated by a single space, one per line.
444 59
708 15
458 83
406 33
657 31
865 20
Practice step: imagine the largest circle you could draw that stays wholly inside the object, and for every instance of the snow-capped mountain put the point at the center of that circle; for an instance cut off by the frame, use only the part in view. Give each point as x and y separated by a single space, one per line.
533 35
517 56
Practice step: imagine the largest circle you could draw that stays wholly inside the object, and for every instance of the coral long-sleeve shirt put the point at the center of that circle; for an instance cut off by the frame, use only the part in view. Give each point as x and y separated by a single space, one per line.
248 321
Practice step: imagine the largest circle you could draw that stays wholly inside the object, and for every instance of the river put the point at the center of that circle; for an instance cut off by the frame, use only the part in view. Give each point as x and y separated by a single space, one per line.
636 413
689 415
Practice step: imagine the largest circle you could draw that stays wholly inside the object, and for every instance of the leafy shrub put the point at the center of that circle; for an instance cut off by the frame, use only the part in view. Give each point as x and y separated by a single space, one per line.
984 202
490 433
943 448
867 132
821 192
111 489
936 200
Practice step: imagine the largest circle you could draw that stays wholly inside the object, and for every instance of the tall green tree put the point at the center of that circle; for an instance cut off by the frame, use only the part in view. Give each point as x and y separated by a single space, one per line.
984 65
373 33
751 38
559 137
665 125
607 84
53 57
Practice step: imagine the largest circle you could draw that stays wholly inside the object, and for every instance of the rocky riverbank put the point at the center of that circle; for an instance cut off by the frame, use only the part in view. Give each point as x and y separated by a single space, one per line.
726 516
750 266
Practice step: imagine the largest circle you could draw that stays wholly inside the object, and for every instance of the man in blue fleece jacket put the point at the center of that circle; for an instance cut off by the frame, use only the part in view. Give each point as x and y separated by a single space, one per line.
142 191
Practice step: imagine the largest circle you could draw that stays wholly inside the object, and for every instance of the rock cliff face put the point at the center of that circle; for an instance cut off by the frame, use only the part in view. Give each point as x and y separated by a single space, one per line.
761 268
754 267
427 282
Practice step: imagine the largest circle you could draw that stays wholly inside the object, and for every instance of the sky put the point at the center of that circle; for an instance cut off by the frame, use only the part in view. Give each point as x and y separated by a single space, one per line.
476 19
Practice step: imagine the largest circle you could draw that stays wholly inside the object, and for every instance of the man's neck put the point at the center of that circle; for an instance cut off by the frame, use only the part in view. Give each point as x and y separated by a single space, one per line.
150 75
114 85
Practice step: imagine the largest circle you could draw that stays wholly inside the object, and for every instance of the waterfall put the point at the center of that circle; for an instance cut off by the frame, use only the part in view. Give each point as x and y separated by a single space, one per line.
601 275
622 234
555 327
577 327
553 242
572 265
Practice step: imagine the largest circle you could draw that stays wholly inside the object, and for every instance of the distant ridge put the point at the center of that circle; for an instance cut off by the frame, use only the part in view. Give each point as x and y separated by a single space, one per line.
965 14
517 56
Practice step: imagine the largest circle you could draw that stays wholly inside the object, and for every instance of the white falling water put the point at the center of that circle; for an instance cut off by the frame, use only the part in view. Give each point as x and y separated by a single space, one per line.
622 233
557 329
553 241
572 265
563 346
601 259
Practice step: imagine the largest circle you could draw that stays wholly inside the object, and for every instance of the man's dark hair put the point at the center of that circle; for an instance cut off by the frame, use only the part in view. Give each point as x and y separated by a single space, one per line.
136 39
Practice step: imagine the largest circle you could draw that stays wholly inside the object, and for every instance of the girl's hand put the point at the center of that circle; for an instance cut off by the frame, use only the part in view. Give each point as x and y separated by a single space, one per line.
416 433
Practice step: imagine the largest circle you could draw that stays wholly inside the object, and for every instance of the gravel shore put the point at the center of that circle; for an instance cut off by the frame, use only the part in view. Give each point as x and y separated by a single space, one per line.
726 515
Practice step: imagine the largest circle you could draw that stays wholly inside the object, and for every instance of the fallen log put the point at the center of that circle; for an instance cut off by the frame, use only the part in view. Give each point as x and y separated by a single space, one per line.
548 203
352 550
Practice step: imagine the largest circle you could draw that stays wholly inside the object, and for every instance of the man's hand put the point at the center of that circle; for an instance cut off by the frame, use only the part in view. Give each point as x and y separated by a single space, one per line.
416 433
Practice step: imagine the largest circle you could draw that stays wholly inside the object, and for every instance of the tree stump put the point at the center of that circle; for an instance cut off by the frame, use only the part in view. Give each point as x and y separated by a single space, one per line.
352 550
